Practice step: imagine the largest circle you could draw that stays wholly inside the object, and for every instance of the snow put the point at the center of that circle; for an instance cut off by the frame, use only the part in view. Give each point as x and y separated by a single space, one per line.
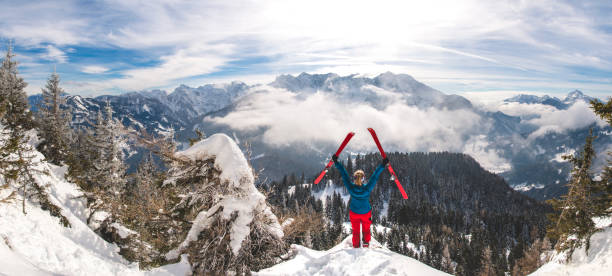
345 260
598 261
291 190
347 228
385 209
15 264
123 231
287 222
329 190
247 201
37 244
227 155
559 156
524 187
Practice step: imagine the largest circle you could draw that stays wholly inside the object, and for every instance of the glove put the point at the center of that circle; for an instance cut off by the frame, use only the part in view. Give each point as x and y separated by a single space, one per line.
385 162
335 158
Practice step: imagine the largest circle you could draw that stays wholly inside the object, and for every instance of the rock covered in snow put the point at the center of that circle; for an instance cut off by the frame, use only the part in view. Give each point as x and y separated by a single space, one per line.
230 205
228 157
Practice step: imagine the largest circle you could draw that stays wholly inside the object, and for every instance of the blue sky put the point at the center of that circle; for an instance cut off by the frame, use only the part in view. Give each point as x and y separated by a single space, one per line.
109 47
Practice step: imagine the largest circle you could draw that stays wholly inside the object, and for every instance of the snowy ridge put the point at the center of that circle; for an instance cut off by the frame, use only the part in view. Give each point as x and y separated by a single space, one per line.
247 200
345 260
598 261
37 244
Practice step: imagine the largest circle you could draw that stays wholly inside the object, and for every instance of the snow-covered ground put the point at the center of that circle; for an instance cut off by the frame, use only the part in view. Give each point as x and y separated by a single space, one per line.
345 260
37 244
597 262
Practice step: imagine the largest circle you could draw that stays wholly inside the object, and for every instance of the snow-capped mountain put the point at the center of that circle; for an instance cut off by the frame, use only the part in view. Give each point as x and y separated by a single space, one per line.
375 90
568 101
291 123
193 102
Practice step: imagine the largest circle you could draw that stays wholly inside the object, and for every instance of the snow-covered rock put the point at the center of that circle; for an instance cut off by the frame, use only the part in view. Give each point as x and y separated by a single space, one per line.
345 260
232 203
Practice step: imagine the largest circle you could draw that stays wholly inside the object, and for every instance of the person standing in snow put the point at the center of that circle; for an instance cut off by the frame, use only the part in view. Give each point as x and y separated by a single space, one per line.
360 211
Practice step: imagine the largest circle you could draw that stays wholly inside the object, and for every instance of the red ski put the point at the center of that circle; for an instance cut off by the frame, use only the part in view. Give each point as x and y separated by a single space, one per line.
384 155
346 140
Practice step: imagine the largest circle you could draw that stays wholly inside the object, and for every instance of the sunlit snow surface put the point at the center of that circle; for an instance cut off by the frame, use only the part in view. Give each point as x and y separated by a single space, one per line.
597 262
345 260
37 244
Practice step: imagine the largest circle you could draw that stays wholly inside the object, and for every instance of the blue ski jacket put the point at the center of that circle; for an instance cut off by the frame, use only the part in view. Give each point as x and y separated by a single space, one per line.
360 195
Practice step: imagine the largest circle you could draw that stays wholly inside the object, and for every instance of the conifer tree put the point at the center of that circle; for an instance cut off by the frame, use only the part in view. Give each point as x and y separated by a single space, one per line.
604 186
17 158
54 122
107 174
16 120
531 259
572 224
109 137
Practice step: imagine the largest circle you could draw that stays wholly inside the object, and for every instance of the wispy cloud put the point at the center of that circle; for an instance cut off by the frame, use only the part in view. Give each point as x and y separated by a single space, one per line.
559 43
94 69
54 54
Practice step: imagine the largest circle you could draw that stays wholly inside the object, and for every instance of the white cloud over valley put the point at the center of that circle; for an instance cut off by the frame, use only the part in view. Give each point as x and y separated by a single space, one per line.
289 118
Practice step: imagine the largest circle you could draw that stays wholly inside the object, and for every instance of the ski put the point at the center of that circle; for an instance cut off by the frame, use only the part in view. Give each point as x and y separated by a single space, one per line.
384 155
346 140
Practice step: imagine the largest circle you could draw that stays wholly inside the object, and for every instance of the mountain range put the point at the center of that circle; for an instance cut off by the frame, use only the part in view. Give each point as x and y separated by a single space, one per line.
291 125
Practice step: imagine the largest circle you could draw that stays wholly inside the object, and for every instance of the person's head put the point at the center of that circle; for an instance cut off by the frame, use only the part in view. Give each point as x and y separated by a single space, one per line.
358 177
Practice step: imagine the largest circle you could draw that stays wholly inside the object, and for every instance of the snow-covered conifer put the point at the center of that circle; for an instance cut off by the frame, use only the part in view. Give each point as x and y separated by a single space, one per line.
18 162
234 230
572 224
54 122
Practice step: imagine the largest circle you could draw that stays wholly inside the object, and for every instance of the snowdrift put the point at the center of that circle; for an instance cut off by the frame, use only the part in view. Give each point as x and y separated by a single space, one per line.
345 260
37 244
597 262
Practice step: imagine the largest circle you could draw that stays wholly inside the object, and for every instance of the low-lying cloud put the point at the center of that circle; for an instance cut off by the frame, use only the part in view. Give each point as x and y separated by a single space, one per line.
549 119
285 118
321 117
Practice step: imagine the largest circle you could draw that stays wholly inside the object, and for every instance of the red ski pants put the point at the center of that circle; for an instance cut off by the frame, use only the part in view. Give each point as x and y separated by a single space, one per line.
364 220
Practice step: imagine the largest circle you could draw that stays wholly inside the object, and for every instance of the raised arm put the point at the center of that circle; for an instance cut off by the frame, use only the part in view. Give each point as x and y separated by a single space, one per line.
374 177
344 174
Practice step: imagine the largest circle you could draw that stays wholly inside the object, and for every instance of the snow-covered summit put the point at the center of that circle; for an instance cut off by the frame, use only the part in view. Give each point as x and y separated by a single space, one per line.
344 260
382 90
575 96
569 100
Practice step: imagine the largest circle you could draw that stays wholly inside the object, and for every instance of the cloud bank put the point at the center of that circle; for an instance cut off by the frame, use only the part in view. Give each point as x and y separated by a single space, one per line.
285 118
288 118
578 116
